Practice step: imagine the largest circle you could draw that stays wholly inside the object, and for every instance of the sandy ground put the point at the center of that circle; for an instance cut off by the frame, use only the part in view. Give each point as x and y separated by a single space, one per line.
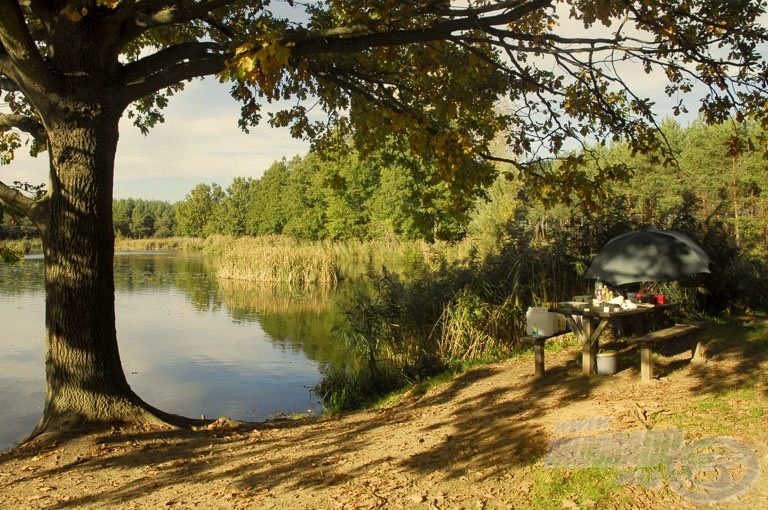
478 441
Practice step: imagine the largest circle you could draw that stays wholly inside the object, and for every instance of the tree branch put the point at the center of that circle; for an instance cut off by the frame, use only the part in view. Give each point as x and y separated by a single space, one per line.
6 83
316 42
20 47
169 66
23 123
155 63
153 13
35 210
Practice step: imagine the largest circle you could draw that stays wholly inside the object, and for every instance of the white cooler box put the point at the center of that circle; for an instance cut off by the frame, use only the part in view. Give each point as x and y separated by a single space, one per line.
544 322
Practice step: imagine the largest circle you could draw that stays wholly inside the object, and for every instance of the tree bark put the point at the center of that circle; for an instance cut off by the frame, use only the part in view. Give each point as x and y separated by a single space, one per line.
86 385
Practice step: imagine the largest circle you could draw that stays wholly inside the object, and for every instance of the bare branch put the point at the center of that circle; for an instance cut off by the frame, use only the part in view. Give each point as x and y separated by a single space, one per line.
169 66
23 123
314 42
20 47
35 210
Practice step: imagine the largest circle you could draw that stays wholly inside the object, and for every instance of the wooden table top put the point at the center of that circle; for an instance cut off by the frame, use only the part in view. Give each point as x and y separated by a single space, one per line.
590 310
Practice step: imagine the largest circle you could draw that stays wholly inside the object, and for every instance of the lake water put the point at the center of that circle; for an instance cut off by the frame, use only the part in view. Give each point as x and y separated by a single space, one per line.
189 344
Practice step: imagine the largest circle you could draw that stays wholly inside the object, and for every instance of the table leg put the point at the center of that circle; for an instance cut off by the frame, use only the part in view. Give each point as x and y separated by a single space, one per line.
646 363
538 349
588 348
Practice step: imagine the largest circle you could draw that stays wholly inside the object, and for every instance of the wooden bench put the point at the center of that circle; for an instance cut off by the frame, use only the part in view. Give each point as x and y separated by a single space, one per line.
645 344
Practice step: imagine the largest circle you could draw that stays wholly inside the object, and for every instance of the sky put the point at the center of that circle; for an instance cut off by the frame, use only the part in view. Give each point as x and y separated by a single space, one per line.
199 142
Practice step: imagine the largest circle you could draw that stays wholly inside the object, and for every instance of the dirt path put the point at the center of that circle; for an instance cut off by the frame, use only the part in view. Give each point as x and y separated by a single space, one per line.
478 441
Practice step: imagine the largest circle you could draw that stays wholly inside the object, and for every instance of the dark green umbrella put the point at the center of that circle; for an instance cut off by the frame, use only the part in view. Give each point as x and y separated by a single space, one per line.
648 256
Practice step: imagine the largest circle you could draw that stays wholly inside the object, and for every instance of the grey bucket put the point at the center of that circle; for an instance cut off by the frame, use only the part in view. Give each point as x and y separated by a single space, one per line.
606 363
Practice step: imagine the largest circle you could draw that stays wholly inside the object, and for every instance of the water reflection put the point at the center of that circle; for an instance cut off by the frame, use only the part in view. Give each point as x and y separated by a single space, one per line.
189 345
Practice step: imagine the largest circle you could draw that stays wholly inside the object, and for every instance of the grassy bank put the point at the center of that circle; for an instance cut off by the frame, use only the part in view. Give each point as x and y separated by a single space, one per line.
484 438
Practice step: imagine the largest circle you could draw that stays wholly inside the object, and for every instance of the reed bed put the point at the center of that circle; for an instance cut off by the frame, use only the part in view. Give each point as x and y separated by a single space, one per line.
160 244
409 255
277 260
472 329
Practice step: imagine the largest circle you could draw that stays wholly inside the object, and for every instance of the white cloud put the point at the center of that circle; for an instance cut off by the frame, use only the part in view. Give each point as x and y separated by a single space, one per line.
199 142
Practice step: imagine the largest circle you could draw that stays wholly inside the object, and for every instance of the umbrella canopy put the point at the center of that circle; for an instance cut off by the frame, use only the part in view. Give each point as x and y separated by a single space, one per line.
648 256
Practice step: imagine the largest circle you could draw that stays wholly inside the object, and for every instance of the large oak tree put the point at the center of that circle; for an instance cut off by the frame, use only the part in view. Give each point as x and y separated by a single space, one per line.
438 79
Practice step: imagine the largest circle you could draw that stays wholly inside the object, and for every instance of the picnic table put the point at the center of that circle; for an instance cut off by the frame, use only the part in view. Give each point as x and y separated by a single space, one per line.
587 321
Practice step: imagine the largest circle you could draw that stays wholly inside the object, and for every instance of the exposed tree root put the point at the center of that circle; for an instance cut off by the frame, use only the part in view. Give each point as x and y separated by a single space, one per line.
56 424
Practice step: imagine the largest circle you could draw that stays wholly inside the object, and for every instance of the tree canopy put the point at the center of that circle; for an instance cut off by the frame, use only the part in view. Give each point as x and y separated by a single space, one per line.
428 74
429 77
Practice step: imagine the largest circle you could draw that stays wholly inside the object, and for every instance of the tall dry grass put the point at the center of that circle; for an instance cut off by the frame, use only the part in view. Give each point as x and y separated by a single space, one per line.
407 257
276 260
471 329
156 244
282 260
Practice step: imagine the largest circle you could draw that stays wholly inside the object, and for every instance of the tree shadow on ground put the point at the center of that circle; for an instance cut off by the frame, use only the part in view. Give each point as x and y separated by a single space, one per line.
474 434
501 427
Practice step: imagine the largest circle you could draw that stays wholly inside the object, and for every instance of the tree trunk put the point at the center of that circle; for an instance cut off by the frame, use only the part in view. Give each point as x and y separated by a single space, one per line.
85 382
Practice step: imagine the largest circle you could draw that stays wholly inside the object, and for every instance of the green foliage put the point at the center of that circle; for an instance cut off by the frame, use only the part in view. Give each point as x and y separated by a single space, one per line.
141 219
10 254
266 214
304 198
198 214
235 205
347 198
389 329
715 194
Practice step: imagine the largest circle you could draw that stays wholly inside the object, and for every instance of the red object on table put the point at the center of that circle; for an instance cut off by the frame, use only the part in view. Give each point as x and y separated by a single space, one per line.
660 299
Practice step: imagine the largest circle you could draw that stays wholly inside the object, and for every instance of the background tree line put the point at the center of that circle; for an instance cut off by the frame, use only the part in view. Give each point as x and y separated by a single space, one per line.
714 185
352 197
370 197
